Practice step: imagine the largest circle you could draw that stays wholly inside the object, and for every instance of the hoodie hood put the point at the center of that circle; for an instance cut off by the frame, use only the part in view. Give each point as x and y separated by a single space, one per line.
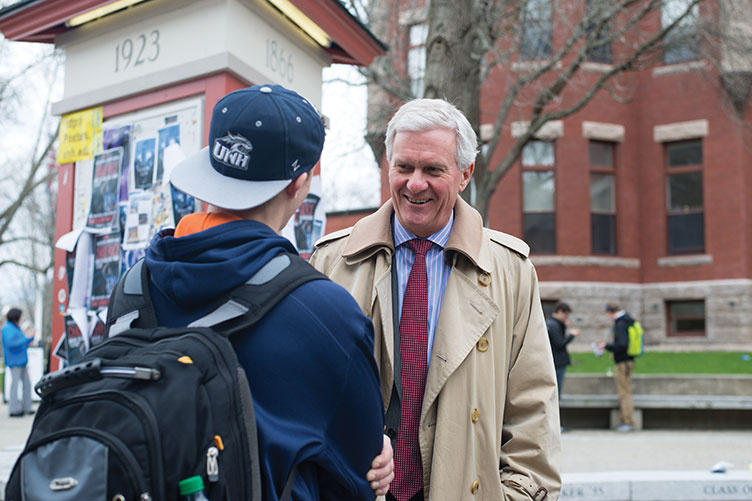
193 270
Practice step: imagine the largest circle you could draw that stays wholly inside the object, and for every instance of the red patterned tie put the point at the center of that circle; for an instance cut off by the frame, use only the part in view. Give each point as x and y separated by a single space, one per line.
408 467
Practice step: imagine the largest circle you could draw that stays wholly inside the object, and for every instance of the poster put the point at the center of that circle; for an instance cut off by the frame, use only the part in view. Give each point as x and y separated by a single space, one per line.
60 352
182 204
75 348
138 220
104 189
168 136
97 332
106 270
129 257
162 215
80 135
307 229
309 222
119 137
144 164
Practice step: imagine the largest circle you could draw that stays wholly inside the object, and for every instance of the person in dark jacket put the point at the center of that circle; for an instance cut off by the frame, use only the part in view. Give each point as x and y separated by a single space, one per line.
623 363
560 337
15 346
309 360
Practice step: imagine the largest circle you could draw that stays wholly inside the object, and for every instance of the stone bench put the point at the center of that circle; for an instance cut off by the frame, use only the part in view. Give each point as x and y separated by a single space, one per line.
651 401
703 401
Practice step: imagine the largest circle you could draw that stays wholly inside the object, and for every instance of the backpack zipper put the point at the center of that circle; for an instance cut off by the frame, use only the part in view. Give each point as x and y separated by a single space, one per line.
218 357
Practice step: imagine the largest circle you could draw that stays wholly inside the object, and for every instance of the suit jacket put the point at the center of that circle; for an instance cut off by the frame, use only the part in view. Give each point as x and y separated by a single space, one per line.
489 425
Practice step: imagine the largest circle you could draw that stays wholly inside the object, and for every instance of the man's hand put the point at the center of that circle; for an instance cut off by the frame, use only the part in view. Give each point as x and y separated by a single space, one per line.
381 473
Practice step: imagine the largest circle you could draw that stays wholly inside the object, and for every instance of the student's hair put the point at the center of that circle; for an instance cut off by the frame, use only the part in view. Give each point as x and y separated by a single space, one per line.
562 307
612 308
14 315
420 115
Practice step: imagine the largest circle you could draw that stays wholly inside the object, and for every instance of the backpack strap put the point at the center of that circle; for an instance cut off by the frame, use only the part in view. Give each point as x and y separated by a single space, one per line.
248 303
130 302
131 306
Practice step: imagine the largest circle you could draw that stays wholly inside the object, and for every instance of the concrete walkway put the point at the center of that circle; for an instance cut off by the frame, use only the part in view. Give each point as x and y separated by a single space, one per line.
583 451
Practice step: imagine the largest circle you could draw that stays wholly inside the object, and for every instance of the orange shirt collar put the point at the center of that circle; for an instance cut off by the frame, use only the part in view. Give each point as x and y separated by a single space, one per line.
200 221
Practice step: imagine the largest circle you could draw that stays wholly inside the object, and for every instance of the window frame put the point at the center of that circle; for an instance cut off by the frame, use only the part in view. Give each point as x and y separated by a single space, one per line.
678 170
604 53
672 52
605 170
413 49
670 332
539 168
531 22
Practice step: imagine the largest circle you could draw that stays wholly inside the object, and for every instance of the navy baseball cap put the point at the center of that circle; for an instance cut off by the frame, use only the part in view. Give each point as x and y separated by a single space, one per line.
260 139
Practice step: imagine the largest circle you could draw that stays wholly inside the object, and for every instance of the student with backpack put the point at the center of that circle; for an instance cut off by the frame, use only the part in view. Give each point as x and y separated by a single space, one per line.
301 340
623 362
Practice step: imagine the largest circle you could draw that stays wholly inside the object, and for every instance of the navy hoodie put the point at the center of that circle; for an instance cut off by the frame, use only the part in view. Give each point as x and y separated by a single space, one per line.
309 361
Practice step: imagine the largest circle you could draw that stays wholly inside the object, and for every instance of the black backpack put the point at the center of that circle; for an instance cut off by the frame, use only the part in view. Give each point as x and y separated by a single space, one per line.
152 405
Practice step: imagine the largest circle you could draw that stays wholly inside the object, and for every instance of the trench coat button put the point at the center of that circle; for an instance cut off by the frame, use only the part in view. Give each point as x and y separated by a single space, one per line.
484 279
475 416
474 488
482 344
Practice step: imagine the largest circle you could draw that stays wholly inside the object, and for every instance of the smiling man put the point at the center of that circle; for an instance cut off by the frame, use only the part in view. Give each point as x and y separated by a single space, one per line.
465 364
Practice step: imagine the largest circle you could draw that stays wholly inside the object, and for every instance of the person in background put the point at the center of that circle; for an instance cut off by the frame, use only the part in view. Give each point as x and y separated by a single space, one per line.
623 363
467 376
560 337
15 347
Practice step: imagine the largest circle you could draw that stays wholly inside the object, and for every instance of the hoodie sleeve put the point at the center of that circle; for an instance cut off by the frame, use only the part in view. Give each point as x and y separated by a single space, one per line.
353 437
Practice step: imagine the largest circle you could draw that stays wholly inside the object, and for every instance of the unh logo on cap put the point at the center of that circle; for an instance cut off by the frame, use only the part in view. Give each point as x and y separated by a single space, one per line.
233 150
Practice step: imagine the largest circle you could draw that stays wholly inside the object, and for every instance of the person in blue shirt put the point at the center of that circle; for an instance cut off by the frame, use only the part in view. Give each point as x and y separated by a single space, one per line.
15 345
309 360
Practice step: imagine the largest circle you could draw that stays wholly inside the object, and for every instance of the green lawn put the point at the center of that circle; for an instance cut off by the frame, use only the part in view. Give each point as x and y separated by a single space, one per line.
705 362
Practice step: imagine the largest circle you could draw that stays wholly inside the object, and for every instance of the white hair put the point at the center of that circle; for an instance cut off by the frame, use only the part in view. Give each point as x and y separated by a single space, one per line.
421 115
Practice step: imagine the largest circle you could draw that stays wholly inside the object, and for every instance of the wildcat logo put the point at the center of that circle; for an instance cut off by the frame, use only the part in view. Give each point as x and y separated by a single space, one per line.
233 150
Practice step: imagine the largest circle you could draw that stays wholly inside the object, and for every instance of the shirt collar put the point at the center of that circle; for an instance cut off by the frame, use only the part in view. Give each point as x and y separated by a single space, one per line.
440 238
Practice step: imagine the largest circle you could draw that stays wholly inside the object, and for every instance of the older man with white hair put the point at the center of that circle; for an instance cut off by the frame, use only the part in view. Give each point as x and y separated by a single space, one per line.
465 364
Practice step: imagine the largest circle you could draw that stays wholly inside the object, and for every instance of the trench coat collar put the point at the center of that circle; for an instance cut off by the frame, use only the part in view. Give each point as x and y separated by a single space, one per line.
374 233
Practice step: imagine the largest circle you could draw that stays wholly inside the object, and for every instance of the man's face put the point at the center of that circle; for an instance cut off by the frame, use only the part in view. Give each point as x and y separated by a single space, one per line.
424 179
562 316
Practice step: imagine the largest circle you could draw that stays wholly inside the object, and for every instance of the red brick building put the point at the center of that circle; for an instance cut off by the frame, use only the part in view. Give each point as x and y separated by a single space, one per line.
642 200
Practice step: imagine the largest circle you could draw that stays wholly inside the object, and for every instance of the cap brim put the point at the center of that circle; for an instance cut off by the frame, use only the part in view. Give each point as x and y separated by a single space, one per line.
196 177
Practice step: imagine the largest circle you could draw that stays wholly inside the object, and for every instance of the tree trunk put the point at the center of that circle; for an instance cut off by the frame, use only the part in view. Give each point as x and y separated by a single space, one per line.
453 66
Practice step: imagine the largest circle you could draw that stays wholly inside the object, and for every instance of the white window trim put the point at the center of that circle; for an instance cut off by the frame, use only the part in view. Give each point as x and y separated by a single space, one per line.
552 129
601 131
680 131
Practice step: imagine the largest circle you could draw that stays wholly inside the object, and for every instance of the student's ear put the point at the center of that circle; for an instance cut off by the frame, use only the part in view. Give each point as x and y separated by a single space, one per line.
297 184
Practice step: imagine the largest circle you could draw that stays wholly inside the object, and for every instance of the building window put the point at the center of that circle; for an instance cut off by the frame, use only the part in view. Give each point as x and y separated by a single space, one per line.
602 198
686 318
538 192
684 202
536 30
682 42
416 58
598 44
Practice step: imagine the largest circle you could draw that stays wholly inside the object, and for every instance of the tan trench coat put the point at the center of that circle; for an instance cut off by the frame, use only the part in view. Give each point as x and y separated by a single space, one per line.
489 428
